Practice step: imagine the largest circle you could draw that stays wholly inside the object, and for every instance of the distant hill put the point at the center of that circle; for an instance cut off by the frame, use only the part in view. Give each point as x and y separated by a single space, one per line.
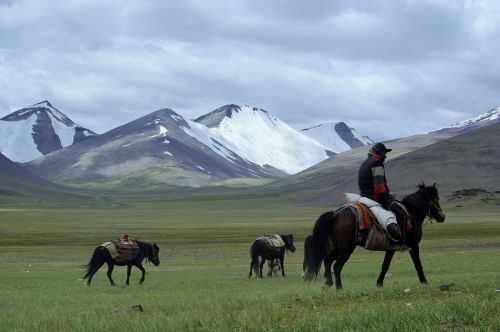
482 120
469 160
15 180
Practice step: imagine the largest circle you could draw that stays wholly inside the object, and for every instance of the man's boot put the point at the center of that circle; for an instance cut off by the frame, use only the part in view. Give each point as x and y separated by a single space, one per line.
395 233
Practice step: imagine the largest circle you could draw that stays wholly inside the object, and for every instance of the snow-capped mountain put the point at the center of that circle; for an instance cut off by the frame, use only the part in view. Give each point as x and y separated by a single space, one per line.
259 137
163 147
482 120
159 148
337 136
37 130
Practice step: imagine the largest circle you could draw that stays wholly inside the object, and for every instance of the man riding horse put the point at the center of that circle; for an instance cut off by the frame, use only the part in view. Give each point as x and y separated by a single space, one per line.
373 184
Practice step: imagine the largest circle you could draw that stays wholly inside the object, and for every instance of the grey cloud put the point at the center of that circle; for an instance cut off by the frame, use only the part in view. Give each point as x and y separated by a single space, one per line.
388 68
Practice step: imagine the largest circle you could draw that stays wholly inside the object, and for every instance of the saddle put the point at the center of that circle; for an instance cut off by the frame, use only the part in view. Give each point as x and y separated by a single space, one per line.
272 241
371 224
122 251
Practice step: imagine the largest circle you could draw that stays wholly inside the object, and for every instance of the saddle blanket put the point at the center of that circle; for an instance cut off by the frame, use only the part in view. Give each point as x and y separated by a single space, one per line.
372 217
273 241
384 217
122 251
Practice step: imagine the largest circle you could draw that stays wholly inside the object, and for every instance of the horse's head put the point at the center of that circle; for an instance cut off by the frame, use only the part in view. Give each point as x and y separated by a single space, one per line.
431 195
288 239
154 256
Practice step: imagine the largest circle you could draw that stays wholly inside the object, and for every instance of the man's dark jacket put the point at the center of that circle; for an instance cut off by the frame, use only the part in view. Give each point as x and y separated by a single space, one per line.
372 180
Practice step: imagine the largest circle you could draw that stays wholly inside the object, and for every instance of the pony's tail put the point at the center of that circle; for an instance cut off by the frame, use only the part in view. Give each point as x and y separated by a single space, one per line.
307 252
254 260
95 261
318 248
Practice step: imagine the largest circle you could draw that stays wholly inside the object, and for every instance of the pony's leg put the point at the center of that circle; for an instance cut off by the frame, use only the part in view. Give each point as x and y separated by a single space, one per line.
328 269
261 267
385 267
282 263
129 270
251 268
415 256
93 271
111 266
143 271
339 264
270 265
96 262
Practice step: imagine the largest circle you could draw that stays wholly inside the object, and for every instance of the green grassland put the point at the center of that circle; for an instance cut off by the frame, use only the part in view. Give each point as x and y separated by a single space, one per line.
202 284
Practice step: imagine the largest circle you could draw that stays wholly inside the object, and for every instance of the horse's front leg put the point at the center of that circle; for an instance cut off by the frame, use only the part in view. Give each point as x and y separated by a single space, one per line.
129 270
143 271
415 256
385 267
282 263
111 266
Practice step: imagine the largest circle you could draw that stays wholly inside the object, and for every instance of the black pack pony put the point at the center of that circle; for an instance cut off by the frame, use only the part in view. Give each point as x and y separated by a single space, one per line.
333 238
260 251
148 251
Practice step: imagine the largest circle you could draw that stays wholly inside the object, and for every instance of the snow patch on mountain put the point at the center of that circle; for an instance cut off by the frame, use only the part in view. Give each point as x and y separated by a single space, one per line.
16 141
337 136
39 129
326 135
258 137
492 115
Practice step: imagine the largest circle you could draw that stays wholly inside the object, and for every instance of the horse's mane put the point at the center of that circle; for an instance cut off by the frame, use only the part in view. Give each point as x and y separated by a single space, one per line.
147 247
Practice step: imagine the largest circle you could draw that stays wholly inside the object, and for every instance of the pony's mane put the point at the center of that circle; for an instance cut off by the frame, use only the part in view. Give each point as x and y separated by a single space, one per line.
147 247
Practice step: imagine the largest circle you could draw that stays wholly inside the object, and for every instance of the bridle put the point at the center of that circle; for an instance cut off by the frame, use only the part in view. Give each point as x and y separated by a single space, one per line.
432 204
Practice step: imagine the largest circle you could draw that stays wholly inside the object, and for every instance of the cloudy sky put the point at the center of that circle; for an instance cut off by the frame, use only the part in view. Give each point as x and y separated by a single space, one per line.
388 68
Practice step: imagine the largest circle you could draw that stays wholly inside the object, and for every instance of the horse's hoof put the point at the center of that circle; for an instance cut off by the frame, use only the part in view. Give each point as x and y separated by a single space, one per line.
380 285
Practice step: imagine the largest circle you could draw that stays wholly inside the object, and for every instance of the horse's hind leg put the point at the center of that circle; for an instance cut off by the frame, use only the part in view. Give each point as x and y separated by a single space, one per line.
342 258
328 269
111 266
385 267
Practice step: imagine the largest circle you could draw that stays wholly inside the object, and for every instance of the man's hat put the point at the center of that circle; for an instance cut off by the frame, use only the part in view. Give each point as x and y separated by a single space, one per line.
381 148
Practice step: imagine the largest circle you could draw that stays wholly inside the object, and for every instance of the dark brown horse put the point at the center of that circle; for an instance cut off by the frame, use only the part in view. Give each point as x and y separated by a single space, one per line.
333 238
101 256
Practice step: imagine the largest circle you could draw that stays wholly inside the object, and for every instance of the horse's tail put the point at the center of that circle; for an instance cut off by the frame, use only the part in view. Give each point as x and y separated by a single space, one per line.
96 262
307 252
318 248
